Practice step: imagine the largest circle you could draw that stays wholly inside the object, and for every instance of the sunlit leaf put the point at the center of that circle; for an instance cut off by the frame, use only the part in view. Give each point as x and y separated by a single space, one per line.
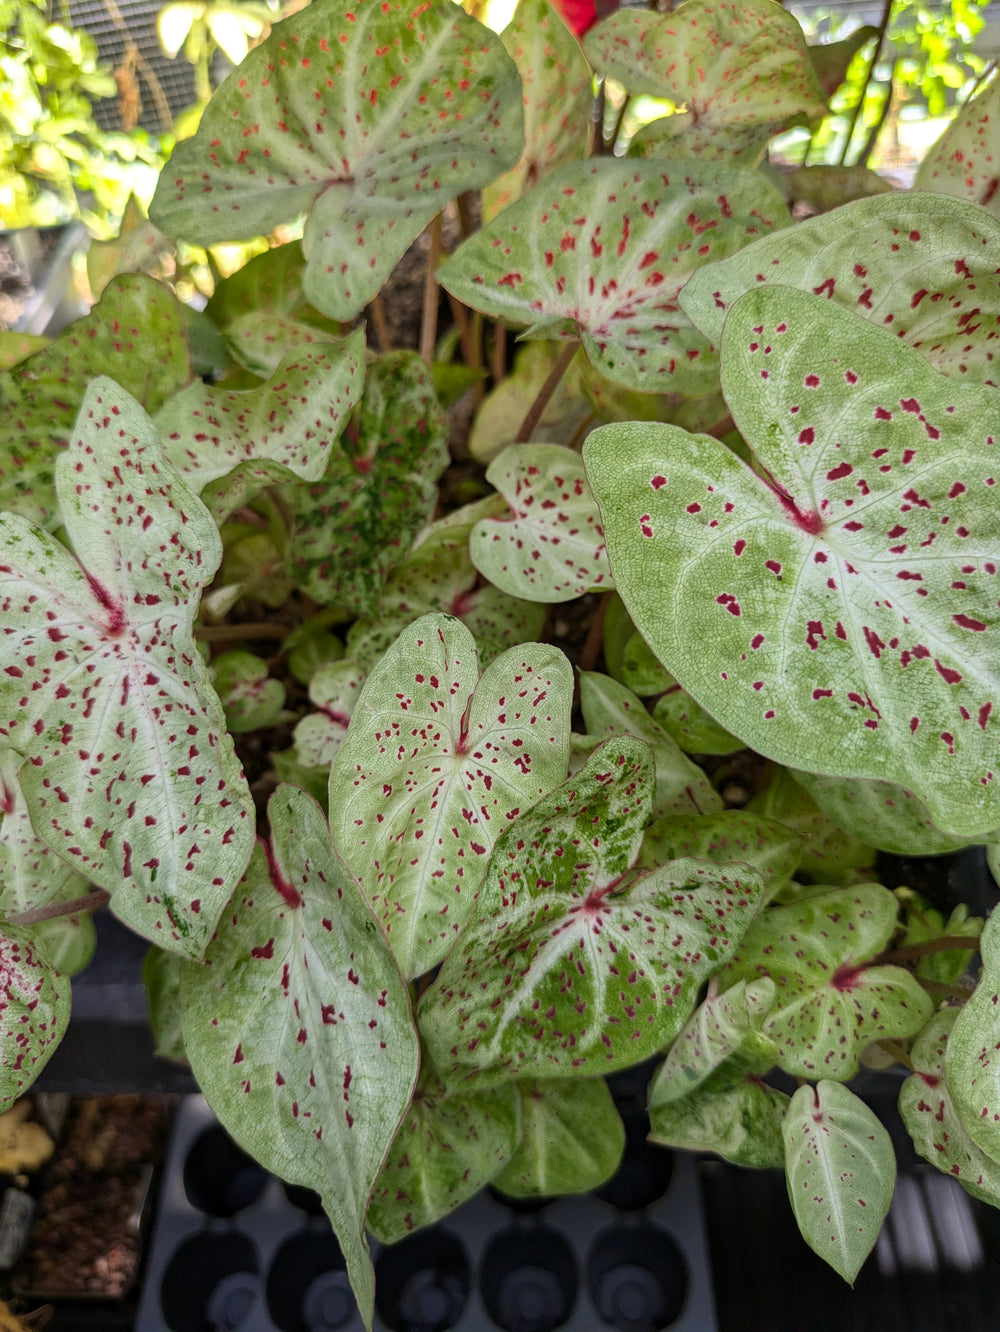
965 161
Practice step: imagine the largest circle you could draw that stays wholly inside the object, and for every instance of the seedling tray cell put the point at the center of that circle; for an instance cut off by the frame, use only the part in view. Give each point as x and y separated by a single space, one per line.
235 1248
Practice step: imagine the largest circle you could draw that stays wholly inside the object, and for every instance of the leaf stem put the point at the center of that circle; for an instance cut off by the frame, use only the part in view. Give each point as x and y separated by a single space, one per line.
897 1051
883 28
432 293
594 641
945 943
89 902
883 116
383 332
545 392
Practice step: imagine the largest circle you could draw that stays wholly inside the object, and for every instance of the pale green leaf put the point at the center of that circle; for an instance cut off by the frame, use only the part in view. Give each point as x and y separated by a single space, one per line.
572 1139
34 1011
964 161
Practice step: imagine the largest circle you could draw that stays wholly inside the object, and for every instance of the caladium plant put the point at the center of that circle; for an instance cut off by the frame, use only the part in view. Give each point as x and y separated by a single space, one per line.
254 579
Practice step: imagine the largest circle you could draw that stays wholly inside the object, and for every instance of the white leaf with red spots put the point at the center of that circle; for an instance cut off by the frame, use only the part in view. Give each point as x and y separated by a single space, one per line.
284 429
369 118
740 68
928 1111
34 1012
298 1025
558 96
600 250
32 875
571 964
841 1172
334 690
437 761
724 1025
831 1001
921 265
449 1146
965 161
842 593
973 1057
550 546
131 775
610 709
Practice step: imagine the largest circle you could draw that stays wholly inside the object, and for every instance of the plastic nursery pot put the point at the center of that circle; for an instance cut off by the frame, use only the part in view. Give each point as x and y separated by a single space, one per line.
219 1177
307 1285
212 1282
530 1279
637 1277
423 1283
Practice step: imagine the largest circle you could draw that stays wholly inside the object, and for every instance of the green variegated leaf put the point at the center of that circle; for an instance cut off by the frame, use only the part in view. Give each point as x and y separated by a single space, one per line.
438 575
965 161
298 1026
973 1056
436 762
572 1139
369 118
841 1173
34 1011
881 814
251 699
726 1026
916 263
570 964
135 335
611 709
690 726
550 547
355 524
557 95
599 252
105 692
640 671
828 854
32 875
934 1124
161 975
732 1113
843 591
284 429
450 1144
732 835
739 68
829 1003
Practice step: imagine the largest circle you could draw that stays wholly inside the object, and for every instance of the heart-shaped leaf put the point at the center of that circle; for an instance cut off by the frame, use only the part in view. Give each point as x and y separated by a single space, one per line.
842 594
572 1139
34 1011
929 1113
550 546
436 761
104 690
32 876
881 814
599 251
964 160
334 689
285 428
841 1173
370 118
828 854
298 1025
558 98
449 1146
732 835
610 709
740 68
353 526
829 1004
590 968
250 697
134 334
918 264
973 1061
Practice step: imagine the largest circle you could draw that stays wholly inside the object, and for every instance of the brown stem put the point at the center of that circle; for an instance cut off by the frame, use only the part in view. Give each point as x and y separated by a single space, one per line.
883 116
942 990
618 122
89 902
545 392
383 332
141 63
240 633
883 28
579 434
945 943
897 1051
721 428
429 313
595 635
466 224
499 360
